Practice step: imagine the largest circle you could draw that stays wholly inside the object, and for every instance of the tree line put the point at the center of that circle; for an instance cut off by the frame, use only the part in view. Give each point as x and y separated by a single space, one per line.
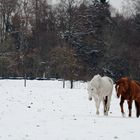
72 40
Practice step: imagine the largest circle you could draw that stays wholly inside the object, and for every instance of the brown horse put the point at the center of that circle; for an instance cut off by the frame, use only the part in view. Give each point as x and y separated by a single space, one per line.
128 90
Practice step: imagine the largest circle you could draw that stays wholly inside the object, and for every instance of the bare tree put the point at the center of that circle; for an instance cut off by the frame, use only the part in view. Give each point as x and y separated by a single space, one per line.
64 64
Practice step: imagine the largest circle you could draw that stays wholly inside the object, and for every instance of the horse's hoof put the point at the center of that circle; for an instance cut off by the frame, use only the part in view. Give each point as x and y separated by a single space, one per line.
97 113
89 99
123 115
106 114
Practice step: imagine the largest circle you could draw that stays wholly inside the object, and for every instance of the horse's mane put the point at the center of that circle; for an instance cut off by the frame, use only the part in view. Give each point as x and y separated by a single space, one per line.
122 80
97 76
138 83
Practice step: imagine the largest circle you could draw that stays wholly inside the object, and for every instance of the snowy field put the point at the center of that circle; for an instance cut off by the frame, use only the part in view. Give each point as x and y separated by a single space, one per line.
45 111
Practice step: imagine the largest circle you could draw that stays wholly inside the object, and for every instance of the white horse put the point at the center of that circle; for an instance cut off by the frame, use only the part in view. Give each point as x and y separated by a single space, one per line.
100 88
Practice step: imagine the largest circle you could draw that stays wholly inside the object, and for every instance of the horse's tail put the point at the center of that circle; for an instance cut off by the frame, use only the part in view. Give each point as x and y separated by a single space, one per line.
110 80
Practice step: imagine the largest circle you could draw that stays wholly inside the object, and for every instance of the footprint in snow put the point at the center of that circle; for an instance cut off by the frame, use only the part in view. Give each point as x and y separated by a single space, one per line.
26 135
62 118
31 103
37 125
115 137
39 110
29 106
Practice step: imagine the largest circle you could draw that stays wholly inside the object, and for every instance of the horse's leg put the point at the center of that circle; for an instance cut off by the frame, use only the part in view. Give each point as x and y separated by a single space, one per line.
105 104
137 109
121 105
97 106
108 103
129 107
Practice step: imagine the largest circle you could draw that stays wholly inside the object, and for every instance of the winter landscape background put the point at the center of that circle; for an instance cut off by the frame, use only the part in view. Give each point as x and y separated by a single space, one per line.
71 40
45 111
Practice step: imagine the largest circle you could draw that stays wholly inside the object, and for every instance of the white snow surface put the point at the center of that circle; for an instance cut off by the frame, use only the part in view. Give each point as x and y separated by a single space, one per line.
45 111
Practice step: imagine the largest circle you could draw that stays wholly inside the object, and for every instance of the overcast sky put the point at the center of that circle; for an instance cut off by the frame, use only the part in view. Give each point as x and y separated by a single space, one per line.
115 3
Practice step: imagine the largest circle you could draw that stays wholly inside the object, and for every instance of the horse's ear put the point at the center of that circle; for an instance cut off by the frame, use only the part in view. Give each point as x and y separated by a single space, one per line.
129 80
117 82
98 75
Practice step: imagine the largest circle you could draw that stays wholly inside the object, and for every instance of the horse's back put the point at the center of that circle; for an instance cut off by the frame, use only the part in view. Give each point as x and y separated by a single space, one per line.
107 83
108 79
104 85
135 89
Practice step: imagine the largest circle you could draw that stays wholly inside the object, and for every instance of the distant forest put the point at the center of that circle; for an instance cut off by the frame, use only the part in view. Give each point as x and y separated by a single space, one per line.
72 40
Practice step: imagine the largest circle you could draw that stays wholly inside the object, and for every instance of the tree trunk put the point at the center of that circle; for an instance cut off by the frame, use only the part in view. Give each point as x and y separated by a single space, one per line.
71 84
25 80
63 83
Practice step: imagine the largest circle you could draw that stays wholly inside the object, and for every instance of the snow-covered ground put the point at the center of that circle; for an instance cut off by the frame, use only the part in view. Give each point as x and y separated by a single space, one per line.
45 111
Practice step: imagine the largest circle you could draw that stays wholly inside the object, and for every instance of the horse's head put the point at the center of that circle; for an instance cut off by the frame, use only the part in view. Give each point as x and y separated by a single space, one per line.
90 90
122 86
119 90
